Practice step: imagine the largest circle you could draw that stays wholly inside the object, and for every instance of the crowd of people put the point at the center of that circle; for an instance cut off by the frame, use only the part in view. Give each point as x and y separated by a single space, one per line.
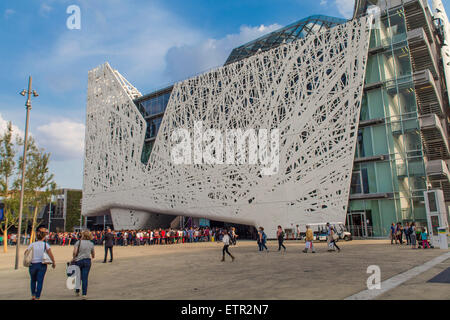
410 234
135 237
143 237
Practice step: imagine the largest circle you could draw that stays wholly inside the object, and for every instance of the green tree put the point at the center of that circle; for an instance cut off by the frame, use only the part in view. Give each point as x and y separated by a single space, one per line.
73 210
7 165
39 184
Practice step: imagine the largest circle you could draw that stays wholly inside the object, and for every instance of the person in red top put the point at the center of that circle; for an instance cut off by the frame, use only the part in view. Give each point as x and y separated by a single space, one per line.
163 236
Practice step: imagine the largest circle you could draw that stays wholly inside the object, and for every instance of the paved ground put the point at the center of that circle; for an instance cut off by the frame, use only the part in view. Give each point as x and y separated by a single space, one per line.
194 271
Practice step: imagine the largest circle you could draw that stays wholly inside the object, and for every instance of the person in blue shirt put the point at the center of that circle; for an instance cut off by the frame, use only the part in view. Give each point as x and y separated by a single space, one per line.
424 236
393 237
261 240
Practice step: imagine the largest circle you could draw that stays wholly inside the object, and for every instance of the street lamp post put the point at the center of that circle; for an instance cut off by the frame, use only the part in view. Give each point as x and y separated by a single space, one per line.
80 214
49 213
28 105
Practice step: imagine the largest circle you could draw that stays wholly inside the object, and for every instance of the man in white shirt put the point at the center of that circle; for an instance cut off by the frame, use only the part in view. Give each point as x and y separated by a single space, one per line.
226 243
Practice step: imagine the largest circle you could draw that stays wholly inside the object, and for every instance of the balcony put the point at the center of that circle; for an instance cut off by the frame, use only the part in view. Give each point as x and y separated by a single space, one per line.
417 15
439 176
422 57
434 137
428 94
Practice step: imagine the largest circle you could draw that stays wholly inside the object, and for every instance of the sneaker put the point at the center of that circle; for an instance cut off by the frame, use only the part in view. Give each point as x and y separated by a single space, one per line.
305 251
84 297
77 293
313 252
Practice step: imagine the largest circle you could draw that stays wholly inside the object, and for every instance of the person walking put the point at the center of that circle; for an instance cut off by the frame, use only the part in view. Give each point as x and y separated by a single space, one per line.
280 237
38 266
226 244
412 235
109 243
262 239
82 253
309 237
332 237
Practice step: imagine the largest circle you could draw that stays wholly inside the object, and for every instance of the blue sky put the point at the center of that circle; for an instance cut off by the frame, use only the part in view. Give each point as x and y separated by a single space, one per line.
151 43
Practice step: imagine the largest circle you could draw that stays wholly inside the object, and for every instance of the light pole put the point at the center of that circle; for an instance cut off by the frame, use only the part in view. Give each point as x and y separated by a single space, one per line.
80 214
24 160
49 213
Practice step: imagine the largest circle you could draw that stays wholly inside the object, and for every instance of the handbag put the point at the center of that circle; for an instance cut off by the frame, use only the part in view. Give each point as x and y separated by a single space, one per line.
73 261
45 257
28 256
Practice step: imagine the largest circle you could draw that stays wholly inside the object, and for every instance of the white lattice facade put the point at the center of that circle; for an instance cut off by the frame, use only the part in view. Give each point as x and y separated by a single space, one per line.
309 89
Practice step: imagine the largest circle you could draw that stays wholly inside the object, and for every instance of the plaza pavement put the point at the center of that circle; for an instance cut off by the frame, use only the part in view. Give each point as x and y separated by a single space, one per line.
194 271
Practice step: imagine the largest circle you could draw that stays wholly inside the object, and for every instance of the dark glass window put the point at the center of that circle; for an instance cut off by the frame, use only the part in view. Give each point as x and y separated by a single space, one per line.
365 180
355 186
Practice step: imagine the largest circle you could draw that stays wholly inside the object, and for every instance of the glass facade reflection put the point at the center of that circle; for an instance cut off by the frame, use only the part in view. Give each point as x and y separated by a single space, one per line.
389 189
152 107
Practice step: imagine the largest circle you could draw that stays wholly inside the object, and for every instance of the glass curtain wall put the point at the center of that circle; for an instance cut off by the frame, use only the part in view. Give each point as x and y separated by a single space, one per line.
152 109
402 174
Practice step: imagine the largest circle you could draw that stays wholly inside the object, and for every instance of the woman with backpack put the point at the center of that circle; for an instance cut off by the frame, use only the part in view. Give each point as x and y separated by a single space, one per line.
261 240
280 237
40 253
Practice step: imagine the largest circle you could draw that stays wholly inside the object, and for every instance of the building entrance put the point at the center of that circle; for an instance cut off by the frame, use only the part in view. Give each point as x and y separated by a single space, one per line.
359 223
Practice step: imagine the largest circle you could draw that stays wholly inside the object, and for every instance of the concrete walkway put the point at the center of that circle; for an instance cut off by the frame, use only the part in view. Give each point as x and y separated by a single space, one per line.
194 271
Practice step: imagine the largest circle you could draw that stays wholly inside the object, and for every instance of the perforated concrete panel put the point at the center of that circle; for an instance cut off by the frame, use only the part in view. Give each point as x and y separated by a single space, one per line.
310 90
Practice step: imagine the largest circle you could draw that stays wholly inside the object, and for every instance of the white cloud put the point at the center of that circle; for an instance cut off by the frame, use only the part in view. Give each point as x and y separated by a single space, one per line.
345 7
188 60
8 13
4 126
63 139
323 2
133 37
45 9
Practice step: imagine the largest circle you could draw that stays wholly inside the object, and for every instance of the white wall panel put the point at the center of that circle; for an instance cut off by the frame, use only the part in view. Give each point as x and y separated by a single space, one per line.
309 89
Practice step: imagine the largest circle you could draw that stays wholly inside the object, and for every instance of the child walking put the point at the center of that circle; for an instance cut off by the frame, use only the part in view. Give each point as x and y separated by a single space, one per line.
424 236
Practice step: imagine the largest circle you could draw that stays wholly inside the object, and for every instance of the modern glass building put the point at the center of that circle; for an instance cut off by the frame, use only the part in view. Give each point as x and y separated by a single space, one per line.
402 145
